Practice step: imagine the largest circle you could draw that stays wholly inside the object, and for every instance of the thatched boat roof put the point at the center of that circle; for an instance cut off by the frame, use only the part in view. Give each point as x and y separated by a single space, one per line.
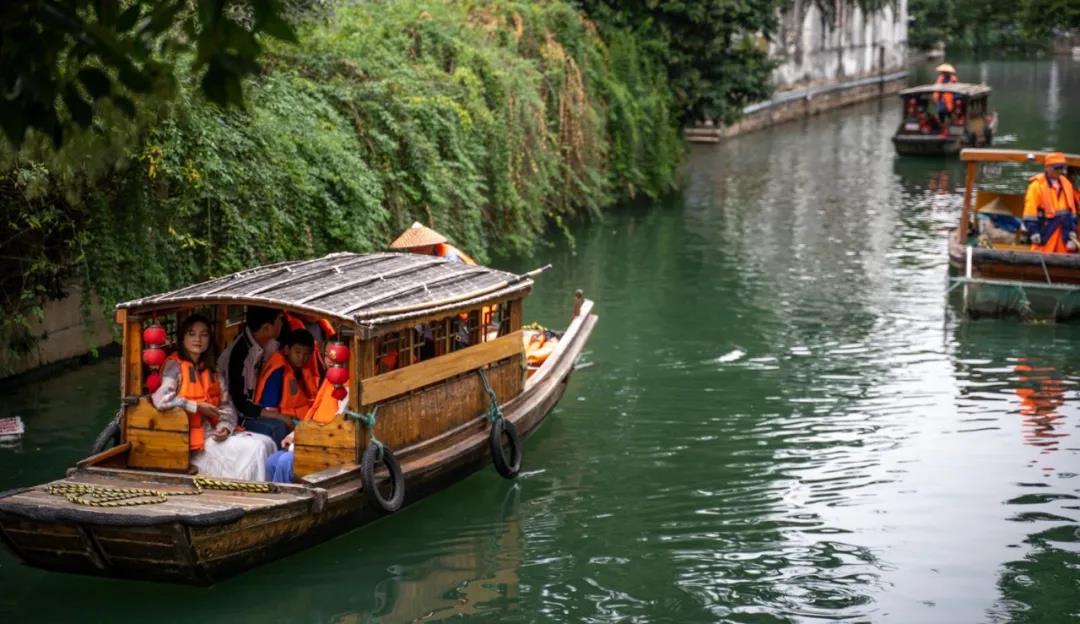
367 289
964 89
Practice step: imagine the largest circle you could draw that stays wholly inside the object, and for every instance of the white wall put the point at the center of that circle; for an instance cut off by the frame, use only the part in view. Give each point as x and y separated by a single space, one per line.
812 49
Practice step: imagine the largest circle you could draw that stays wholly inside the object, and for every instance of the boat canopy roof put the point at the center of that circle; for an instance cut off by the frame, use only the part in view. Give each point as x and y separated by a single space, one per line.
367 289
960 88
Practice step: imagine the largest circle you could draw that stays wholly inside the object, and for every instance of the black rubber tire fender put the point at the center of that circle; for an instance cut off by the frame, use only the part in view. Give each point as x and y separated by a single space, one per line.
368 462
108 438
507 461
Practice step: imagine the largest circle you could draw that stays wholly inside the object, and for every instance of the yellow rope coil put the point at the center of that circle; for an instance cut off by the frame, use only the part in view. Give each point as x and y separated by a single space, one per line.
106 496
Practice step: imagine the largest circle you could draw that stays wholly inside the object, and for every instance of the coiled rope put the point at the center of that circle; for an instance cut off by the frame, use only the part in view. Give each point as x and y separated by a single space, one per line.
106 496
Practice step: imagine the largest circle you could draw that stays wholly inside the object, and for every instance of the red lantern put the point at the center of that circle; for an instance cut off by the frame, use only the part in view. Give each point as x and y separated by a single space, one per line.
154 335
339 393
337 376
337 352
153 357
153 381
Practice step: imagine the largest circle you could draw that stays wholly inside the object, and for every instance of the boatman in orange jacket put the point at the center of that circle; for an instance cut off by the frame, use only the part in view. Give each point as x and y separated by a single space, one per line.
1050 208
946 102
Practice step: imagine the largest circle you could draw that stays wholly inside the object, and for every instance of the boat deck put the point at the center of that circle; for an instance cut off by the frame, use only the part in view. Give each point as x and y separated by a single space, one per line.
184 503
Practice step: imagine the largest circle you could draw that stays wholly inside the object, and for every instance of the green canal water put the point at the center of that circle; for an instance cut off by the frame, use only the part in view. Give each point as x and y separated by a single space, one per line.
778 418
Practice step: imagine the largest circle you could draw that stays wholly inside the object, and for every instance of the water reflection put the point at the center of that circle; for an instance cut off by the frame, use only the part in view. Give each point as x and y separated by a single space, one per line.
1041 394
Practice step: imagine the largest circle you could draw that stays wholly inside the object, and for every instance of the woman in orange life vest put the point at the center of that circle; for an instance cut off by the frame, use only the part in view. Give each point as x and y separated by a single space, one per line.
1050 208
945 101
279 467
287 384
188 381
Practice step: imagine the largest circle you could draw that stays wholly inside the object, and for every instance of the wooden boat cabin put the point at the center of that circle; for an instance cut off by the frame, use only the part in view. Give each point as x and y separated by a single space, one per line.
922 132
437 386
990 257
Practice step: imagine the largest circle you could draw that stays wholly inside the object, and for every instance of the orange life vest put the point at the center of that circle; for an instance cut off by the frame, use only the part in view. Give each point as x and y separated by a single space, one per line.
295 396
1051 201
325 407
445 249
388 361
200 387
316 365
948 97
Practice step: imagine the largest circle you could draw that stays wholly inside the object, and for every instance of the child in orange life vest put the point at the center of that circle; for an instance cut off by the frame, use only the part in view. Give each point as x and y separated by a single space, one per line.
279 467
287 384
190 382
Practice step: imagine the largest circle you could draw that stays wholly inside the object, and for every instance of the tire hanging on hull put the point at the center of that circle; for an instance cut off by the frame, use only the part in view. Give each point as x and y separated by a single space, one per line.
507 461
373 454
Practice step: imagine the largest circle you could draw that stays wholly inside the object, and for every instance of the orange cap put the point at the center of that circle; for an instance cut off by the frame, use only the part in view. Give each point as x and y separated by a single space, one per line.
1054 158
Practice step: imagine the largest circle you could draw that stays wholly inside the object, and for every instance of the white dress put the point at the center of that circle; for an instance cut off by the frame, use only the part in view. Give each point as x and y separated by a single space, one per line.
240 456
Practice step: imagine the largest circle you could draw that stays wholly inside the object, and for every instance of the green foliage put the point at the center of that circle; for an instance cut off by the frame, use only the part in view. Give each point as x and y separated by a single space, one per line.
713 51
1014 26
61 59
488 120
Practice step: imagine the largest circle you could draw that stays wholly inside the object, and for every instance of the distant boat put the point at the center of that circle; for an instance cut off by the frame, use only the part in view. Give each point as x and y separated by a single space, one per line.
459 394
995 272
971 123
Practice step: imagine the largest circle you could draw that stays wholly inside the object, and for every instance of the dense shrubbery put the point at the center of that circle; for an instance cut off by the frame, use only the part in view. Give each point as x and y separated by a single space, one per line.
1013 26
714 51
489 120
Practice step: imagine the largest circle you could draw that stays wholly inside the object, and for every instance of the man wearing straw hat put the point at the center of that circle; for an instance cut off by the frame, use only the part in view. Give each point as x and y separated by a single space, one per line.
1050 208
424 240
945 101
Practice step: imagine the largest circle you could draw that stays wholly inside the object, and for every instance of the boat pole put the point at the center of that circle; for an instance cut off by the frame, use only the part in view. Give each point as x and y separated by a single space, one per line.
969 184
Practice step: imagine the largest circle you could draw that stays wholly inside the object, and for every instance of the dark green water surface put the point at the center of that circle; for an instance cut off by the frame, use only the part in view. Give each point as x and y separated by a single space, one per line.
778 419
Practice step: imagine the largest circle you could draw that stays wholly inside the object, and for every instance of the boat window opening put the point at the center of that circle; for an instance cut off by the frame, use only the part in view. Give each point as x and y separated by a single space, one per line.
422 346
440 331
390 351
475 327
496 321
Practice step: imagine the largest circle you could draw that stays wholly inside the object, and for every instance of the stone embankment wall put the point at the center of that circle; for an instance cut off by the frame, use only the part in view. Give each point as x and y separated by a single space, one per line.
826 60
64 334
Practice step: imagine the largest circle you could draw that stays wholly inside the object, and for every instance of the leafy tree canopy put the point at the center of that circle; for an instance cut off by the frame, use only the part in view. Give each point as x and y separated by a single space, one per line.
714 50
62 59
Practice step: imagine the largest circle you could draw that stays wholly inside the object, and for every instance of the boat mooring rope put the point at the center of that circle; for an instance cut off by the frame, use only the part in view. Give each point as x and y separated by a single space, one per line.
106 496
494 412
369 421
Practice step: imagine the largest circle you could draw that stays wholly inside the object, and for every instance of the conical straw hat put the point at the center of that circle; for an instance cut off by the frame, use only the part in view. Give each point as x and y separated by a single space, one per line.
417 236
945 67
996 207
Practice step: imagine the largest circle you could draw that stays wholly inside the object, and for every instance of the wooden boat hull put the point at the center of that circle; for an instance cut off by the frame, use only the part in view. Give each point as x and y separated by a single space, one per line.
204 539
918 144
927 144
1032 285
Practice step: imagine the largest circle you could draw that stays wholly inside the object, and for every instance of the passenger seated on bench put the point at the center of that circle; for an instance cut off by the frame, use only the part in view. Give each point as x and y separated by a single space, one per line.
242 362
287 385
279 467
188 381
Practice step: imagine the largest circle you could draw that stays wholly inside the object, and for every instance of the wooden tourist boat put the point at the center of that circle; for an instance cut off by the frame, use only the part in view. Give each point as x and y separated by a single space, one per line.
436 420
993 268
971 125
